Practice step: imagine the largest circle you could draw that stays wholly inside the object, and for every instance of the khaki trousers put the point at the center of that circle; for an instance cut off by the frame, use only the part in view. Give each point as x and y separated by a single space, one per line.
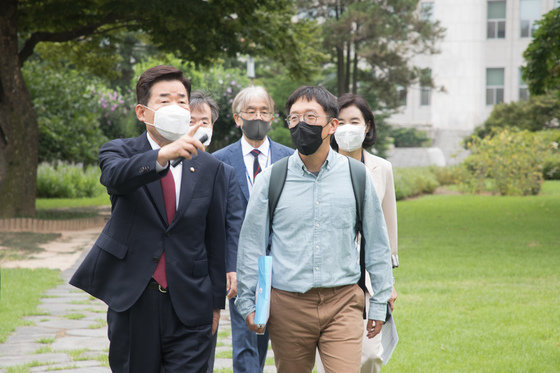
371 351
329 319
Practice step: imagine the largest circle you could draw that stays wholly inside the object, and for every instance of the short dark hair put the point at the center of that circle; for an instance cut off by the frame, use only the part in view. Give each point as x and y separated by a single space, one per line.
326 99
156 74
199 98
350 99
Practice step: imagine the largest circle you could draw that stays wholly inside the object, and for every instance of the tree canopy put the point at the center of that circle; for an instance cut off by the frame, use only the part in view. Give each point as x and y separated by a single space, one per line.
372 43
88 32
542 72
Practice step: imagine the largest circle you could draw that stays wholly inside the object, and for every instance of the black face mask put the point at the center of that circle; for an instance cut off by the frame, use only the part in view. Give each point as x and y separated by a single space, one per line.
255 129
307 138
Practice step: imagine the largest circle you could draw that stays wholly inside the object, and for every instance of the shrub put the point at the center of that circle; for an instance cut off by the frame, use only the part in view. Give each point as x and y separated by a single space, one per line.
410 182
536 114
409 137
67 113
551 167
448 175
512 159
118 118
68 181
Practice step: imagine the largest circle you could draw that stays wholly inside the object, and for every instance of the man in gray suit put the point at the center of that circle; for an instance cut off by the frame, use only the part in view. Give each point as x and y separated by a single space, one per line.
253 110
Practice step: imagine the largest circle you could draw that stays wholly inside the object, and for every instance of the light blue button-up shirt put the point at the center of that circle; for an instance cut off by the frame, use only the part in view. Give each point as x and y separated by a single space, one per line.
313 238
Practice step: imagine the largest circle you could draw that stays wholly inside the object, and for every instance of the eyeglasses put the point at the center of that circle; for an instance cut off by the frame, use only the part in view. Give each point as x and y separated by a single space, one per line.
253 114
203 122
309 118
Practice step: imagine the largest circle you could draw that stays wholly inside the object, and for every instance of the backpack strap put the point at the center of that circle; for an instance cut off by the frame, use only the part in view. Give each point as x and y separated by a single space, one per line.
277 180
358 176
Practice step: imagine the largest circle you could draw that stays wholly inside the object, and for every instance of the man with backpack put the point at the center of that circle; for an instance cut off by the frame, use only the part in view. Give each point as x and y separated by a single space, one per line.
315 300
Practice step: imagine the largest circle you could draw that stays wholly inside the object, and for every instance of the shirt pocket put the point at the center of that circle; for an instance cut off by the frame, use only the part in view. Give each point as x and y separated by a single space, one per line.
342 212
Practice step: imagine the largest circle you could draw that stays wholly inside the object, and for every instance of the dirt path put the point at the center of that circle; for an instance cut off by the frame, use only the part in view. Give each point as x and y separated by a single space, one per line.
61 253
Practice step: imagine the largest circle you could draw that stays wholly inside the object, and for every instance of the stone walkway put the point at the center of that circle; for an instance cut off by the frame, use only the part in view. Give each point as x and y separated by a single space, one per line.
69 334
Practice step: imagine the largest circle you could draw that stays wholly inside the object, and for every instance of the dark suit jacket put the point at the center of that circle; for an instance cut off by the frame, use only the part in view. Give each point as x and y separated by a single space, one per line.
124 257
234 217
233 156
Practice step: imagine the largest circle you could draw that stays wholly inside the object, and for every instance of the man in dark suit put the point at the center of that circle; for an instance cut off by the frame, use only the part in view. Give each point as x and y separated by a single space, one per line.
205 111
159 262
253 110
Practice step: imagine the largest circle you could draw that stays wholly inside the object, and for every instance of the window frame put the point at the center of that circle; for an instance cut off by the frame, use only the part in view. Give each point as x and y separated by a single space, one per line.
495 93
496 25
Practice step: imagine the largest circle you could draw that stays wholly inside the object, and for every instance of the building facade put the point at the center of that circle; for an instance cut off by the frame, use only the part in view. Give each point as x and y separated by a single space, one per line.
479 65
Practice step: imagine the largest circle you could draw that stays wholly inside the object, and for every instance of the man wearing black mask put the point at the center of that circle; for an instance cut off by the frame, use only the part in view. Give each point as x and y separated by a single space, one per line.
315 301
253 110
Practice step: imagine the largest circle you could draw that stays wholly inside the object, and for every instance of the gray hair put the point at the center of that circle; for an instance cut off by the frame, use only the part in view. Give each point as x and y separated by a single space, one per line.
199 98
246 94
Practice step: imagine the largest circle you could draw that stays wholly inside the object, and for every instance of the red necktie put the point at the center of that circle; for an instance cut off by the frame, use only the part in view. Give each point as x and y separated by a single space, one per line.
168 188
256 164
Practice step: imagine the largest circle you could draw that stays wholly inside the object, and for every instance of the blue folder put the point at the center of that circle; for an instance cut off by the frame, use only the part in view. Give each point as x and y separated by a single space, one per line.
264 286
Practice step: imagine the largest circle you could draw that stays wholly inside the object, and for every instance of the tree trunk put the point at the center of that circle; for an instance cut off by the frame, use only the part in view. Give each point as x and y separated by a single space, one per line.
355 70
348 64
340 78
19 132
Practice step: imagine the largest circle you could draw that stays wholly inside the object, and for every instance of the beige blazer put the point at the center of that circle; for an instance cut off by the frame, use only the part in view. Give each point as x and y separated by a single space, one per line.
382 173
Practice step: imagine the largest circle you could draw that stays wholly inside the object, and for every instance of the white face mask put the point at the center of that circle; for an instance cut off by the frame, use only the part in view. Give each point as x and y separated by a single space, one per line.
171 121
203 131
350 137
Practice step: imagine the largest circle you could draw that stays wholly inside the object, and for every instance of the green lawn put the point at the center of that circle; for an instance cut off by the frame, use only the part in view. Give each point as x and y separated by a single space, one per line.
20 293
479 284
56 203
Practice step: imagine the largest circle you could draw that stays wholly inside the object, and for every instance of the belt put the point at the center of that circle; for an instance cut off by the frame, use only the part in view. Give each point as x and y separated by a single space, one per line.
153 285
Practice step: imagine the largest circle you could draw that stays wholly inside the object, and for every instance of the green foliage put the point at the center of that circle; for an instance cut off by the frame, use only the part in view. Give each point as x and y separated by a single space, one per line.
542 72
535 114
94 33
67 113
280 133
118 118
551 167
68 181
513 160
371 44
410 182
448 175
409 137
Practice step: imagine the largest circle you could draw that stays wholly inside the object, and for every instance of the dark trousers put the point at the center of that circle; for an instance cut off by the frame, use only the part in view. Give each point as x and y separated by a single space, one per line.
249 349
149 336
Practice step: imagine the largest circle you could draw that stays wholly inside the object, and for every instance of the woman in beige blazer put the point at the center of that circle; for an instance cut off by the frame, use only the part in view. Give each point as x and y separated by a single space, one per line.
355 132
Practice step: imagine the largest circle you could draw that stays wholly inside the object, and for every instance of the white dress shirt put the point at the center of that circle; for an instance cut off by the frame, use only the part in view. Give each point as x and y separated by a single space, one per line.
248 158
176 171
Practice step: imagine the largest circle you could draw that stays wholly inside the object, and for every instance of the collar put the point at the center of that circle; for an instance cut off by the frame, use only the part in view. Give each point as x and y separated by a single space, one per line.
328 164
246 147
153 143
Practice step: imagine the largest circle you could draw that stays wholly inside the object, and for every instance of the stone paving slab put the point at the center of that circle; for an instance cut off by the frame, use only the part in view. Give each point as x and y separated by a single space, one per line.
71 335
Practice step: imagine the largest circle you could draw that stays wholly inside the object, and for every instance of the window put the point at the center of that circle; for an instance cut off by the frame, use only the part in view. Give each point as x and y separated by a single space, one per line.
426 87
402 93
494 86
530 12
427 11
496 24
523 89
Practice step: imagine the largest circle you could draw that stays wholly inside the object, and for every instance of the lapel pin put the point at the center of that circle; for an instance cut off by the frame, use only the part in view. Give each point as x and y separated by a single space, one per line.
192 169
